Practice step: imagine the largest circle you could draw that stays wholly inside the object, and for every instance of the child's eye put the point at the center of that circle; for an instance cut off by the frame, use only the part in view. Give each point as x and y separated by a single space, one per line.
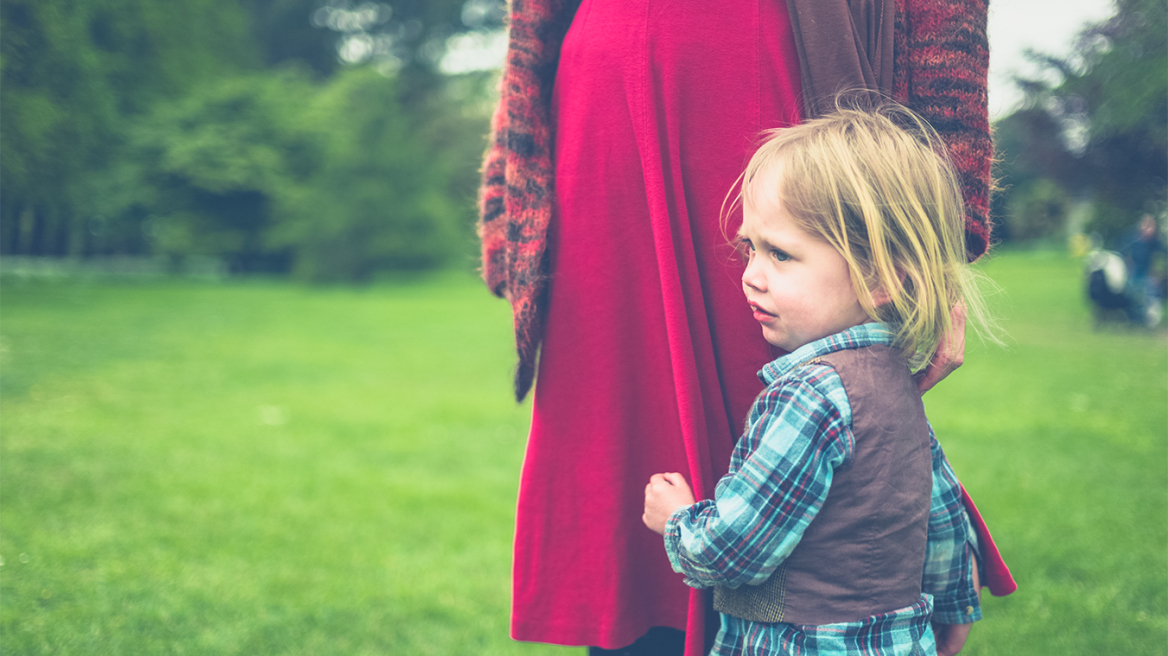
745 248
780 256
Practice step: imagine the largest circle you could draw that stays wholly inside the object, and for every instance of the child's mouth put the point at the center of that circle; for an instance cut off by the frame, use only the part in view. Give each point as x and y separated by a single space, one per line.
761 314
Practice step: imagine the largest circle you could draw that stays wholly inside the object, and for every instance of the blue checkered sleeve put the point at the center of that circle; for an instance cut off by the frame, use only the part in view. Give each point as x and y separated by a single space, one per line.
780 473
949 561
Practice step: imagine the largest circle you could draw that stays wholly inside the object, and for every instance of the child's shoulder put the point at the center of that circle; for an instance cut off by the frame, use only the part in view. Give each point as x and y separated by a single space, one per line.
812 382
816 372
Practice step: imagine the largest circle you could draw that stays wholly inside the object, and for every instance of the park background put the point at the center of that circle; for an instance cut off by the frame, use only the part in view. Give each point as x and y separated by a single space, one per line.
254 400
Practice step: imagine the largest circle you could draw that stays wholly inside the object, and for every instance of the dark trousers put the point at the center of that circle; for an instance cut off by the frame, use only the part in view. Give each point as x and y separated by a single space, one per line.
659 641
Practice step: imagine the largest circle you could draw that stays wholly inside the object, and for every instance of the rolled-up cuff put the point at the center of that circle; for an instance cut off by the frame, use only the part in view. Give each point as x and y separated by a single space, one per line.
964 605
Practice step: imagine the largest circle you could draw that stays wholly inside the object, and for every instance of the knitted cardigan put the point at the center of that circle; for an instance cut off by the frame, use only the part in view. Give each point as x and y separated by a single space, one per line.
941 56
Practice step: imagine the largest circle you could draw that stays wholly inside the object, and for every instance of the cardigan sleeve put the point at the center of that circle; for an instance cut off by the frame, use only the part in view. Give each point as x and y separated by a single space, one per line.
492 225
517 194
515 198
942 63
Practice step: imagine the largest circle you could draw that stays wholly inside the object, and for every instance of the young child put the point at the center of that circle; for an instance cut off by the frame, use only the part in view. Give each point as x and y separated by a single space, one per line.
839 528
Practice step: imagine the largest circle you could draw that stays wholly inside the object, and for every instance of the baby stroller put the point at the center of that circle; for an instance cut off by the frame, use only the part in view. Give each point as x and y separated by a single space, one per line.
1112 297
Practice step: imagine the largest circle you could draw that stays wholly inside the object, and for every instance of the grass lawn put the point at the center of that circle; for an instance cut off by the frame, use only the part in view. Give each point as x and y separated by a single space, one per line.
261 468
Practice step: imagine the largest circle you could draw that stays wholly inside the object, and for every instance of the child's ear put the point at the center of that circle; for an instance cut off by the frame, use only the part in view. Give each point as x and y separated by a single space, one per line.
880 295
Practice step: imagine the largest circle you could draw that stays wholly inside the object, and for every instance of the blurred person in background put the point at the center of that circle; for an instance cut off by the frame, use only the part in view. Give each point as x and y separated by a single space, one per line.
1143 251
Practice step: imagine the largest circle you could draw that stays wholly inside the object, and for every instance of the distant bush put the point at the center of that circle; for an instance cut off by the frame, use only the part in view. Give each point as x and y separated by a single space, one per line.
276 173
228 130
376 198
202 174
76 74
1094 124
1037 210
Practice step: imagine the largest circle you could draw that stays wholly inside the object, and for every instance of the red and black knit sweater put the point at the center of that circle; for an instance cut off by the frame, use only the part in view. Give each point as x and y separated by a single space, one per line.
941 57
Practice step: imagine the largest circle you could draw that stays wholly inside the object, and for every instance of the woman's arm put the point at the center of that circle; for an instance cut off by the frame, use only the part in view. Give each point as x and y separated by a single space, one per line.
492 225
940 72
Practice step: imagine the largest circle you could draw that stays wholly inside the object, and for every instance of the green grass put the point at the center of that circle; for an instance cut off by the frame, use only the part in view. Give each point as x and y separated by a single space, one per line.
257 469
260 468
1062 439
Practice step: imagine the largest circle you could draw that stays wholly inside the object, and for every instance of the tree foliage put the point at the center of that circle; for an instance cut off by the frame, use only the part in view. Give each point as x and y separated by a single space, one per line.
255 131
284 35
70 74
330 180
377 197
1033 167
202 174
1102 128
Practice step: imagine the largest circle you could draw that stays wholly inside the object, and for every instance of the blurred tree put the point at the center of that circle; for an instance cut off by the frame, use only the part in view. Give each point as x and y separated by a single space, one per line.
204 171
285 34
332 181
382 197
406 36
1031 152
1038 209
71 72
309 135
1111 108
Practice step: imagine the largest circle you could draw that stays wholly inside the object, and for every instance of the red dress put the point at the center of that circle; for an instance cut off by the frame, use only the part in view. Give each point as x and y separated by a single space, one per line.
650 353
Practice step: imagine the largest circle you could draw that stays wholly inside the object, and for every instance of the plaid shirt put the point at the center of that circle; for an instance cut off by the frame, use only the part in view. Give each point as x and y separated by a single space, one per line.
805 434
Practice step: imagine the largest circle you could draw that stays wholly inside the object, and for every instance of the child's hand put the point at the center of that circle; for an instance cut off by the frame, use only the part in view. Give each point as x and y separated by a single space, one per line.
664 494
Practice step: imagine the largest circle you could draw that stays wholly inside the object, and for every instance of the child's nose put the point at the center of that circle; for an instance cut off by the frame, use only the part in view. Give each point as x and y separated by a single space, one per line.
752 277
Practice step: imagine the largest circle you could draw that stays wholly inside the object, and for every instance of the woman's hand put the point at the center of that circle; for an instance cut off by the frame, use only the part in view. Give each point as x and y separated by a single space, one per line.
664 495
950 352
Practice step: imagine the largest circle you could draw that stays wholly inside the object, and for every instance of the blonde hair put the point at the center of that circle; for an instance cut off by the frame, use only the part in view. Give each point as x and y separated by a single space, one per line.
878 186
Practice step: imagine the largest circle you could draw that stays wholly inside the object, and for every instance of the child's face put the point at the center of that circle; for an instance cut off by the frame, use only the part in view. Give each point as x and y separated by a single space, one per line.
796 283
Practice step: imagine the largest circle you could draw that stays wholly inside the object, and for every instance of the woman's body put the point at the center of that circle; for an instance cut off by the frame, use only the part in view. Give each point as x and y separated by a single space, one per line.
655 109
632 375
